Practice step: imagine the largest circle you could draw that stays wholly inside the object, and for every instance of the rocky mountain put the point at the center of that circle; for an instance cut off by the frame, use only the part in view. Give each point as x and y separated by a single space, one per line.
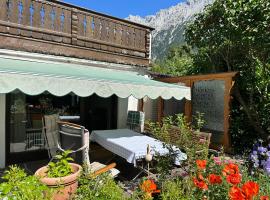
169 24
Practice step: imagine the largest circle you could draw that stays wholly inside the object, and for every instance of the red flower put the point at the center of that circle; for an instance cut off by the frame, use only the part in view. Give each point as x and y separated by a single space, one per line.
236 193
201 164
200 183
234 179
247 192
215 179
250 189
230 168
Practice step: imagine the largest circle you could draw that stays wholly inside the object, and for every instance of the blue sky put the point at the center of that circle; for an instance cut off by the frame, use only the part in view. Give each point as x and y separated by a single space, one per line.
122 8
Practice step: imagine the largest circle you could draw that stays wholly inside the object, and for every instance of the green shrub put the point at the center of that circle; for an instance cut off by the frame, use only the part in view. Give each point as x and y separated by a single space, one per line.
19 186
98 188
174 190
176 131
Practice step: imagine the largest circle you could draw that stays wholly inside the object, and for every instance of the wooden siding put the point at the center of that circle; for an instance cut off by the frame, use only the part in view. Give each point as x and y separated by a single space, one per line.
43 26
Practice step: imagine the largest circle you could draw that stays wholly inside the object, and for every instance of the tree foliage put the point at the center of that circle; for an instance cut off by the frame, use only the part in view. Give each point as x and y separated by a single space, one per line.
234 35
178 62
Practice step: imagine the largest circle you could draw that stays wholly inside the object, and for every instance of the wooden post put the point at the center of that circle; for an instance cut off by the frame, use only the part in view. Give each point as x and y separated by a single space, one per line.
148 44
74 26
141 105
160 109
227 104
188 110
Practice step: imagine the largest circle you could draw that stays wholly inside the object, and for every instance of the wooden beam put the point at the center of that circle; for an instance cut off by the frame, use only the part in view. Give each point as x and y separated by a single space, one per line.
160 109
61 49
194 78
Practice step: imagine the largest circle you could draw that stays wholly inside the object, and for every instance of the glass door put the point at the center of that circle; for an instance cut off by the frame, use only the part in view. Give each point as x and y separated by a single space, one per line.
18 122
24 131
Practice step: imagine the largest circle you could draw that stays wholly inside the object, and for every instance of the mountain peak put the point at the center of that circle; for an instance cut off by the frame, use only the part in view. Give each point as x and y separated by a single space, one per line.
169 24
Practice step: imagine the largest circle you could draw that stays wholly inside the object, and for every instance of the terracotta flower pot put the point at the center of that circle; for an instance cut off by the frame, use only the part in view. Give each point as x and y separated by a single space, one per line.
65 186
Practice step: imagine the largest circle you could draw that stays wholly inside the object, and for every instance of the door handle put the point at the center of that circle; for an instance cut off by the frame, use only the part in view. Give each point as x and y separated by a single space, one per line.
24 121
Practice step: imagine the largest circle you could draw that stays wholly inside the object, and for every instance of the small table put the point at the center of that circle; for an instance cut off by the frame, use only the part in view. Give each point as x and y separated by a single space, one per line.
131 145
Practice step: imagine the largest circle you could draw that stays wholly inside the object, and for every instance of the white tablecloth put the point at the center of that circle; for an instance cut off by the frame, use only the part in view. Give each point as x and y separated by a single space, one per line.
131 145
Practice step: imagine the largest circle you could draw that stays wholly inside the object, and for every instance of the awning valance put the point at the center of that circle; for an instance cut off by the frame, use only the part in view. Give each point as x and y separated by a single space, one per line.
35 77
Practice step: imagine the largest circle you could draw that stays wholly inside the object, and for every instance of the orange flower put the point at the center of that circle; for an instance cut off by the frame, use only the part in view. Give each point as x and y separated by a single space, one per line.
236 193
200 176
230 168
234 179
149 186
215 179
200 183
201 164
264 198
250 189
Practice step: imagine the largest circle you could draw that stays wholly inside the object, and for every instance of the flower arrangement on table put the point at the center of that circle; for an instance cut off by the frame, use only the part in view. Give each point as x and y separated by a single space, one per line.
222 179
260 157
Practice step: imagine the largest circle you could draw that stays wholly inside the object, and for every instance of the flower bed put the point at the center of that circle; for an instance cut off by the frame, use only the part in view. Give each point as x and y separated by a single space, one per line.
223 179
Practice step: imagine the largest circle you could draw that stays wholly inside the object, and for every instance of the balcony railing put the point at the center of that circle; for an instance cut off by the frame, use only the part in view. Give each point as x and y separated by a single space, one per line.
80 32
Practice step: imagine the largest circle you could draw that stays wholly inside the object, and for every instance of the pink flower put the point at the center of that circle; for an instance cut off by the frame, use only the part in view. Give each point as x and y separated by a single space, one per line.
217 160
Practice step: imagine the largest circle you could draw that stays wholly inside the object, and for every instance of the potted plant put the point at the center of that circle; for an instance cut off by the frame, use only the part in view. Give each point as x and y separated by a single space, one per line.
61 175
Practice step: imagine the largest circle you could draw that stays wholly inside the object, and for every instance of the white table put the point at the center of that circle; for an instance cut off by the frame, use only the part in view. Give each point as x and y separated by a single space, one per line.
131 145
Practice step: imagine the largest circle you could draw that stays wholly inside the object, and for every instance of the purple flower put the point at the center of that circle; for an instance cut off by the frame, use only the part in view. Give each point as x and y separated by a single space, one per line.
255 160
254 152
260 156
262 150
254 157
267 167
263 162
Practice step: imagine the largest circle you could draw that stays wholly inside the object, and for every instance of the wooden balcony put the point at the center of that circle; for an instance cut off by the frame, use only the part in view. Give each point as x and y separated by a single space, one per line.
58 28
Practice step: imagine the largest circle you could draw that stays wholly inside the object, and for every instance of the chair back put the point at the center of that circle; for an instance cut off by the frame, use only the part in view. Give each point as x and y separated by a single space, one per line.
50 131
135 120
203 138
75 138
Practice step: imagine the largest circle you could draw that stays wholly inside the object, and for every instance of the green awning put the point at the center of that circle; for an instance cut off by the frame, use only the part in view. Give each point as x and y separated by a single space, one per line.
34 77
